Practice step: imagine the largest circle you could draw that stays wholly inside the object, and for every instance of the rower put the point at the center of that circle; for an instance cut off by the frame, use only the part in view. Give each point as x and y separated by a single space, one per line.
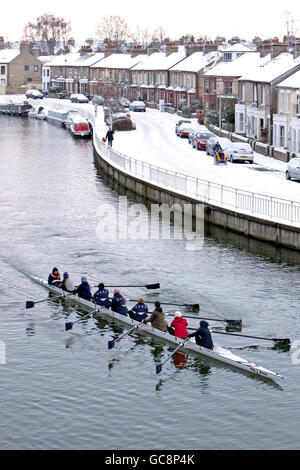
117 303
179 324
67 284
203 336
157 318
140 311
101 296
84 289
54 278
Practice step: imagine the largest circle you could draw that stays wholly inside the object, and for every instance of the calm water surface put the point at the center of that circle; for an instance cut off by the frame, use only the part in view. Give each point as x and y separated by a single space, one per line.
63 390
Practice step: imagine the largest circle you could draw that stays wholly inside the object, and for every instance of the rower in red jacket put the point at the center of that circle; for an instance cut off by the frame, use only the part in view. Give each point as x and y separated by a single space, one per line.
179 324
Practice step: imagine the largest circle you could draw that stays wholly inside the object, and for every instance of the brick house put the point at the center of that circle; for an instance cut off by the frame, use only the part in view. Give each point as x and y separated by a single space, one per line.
19 69
257 95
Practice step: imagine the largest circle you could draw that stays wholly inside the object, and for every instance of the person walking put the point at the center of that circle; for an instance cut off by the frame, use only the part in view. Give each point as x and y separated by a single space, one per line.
110 136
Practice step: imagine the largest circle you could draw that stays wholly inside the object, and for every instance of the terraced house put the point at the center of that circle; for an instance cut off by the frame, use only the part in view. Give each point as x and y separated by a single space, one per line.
257 95
19 69
286 122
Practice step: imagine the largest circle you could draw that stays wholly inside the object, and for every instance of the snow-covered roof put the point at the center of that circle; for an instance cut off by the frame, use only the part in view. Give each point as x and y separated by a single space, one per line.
271 69
238 48
159 61
292 82
237 67
120 61
74 60
7 55
195 62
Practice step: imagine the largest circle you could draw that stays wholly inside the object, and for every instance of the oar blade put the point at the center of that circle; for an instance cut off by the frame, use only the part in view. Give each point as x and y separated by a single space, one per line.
29 304
282 340
153 286
68 326
192 307
158 368
111 344
234 322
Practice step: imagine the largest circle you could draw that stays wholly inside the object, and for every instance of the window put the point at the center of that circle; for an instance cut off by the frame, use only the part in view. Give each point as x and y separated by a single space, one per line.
243 92
206 86
228 87
254 93
281 136
26 67
241 122
227 56
212 86
29 79
2 69
281 102
36 68
263 95
288 102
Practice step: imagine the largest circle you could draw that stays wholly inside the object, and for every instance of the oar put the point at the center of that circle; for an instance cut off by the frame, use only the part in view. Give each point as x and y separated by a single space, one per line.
69 325
160 366
31 303
276 340
230 322
148 286
194 307
112 343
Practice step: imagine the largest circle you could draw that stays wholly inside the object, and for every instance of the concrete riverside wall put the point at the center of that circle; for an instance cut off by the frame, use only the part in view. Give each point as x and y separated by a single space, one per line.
252 227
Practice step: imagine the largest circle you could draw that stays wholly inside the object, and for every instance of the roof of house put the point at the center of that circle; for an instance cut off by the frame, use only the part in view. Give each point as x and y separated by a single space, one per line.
76 60
238 48
159 61
271 69
195 62
7 55
120 61
237 67
291 82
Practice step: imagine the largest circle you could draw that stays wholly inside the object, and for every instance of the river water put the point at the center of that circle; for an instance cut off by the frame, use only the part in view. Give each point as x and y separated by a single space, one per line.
65 390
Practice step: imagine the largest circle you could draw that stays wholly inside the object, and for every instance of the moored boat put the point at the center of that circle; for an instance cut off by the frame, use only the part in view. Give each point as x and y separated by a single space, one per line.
219 353
78 126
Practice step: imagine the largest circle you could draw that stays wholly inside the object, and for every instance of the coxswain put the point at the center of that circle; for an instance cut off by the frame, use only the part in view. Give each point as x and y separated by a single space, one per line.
203 335
84 290
157 318
101 296
179 324
117 303
54 278
67 284
139 312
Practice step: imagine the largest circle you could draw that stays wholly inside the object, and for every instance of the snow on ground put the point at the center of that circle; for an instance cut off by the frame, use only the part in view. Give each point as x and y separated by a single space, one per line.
154 141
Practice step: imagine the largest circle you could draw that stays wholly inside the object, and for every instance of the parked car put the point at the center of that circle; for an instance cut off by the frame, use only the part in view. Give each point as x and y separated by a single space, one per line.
200 139
63 94
34 94
225 143
178 124
98 100
192 135
239 152
78 98
184 130
293 169
137 106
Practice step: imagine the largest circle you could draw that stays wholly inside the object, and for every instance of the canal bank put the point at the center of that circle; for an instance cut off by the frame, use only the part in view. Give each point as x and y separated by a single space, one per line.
252 227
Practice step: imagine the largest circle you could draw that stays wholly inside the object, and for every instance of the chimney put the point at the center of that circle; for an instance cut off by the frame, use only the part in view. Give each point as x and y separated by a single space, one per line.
170 48
71 42
296 48
2 43
25 46
137 50
110 49
86 49
278 48
264 48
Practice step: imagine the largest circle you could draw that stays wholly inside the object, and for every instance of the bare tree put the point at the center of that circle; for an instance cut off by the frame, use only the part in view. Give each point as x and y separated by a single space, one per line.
114 30
48 31
159 35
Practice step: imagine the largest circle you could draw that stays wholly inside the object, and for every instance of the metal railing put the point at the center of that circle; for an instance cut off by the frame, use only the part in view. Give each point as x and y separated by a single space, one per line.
259 205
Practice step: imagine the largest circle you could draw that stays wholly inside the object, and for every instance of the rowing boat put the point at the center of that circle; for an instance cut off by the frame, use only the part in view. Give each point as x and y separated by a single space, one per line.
219 353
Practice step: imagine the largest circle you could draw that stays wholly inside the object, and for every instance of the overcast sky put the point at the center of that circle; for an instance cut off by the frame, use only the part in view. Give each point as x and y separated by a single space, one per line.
227 18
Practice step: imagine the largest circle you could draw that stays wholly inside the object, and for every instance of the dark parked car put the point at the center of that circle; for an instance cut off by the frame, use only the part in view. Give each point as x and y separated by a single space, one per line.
200 139
63 94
